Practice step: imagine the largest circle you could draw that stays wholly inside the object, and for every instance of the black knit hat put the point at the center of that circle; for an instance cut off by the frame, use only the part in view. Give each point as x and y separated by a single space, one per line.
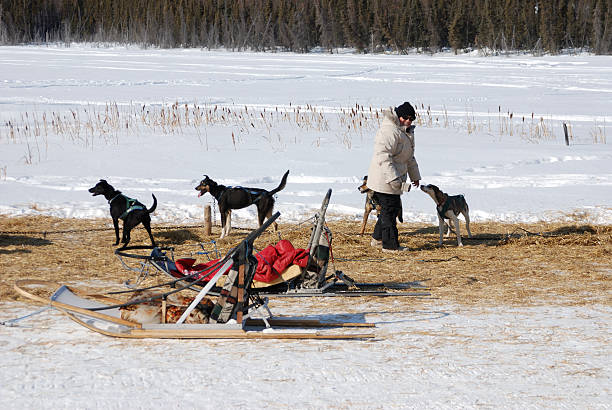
405 111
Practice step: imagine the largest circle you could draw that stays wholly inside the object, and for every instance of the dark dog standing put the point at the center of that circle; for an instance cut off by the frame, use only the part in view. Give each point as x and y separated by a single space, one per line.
131 211
371 203
230 198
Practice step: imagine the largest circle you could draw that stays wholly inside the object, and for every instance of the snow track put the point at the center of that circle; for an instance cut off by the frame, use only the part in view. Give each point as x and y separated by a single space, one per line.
435 356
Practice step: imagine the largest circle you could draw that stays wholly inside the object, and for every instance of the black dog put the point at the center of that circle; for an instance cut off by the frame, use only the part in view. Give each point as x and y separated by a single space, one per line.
129 210
240 197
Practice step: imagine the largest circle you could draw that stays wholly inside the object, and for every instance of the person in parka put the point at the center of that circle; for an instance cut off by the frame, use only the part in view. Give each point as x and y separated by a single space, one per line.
392 162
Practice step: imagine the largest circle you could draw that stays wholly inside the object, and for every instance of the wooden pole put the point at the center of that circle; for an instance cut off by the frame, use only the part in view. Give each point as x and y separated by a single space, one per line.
566 136
163 310
207 221
240 293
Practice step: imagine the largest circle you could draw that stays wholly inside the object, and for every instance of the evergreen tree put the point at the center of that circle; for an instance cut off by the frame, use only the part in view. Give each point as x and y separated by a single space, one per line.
458 27
547 32
300 25
602 36
485 36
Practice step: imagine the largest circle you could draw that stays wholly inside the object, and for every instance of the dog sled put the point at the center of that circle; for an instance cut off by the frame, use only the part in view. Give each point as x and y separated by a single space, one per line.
235 312
282 270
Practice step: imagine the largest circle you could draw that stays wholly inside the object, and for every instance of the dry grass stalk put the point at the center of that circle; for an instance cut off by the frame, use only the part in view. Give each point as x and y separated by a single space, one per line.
91 125
502 264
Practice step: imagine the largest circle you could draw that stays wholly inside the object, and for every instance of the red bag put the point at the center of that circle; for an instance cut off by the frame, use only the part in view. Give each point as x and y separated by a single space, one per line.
272 260
186 267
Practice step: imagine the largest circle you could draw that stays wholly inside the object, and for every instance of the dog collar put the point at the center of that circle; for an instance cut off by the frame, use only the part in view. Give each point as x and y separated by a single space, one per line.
115 197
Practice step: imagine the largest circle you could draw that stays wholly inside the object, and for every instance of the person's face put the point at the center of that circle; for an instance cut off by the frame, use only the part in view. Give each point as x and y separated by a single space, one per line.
405 122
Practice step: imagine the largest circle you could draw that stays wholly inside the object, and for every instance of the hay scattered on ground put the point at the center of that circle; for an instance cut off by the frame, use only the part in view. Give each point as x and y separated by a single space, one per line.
502 264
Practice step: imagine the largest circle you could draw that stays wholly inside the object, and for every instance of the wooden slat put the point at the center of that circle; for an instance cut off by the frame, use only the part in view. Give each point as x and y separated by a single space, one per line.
292 271
189 333
239 299
215 334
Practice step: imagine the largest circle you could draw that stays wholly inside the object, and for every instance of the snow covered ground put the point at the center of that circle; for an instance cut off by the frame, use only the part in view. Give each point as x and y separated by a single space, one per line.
428 356
509 169
57 138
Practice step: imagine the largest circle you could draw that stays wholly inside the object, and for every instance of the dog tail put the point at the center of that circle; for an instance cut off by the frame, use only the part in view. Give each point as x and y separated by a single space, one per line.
152 209
282 184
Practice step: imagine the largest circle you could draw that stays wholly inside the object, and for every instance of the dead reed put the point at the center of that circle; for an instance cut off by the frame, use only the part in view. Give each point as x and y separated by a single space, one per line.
94 125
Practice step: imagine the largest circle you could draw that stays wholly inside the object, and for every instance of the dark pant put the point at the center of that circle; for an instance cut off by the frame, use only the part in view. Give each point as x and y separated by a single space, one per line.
386 225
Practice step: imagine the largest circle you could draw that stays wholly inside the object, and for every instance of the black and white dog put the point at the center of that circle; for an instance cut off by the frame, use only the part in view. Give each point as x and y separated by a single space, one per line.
230 198
449 207
131 211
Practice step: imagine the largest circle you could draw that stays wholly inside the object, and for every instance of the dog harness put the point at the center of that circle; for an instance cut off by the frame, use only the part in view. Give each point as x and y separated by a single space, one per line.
374 201
442 209
130 205
254 195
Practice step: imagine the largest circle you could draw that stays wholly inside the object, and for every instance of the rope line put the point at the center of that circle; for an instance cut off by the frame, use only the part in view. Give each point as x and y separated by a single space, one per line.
12 322
441 260
362 259
297 226
59 232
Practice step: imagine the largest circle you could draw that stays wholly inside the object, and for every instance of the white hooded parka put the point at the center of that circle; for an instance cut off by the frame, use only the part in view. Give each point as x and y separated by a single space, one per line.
393 156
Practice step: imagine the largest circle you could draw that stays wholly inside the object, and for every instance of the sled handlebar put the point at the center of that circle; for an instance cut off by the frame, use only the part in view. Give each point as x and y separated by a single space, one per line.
255 234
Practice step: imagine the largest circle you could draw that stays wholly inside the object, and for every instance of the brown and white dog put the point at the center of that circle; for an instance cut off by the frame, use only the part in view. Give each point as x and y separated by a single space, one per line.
449 207
370 204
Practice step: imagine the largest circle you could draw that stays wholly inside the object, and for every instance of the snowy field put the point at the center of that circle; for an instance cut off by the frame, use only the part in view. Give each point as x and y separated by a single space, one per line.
427 356
70 116
509 169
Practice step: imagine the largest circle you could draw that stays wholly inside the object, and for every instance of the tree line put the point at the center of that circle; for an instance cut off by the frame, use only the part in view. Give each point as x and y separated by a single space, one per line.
303 25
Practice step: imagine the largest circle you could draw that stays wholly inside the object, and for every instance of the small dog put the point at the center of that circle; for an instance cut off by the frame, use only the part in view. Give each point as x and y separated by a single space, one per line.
230 198
448 207
129 210
370 204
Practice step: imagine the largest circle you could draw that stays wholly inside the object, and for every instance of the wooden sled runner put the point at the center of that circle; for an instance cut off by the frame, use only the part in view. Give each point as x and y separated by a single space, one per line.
77 308
231 316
